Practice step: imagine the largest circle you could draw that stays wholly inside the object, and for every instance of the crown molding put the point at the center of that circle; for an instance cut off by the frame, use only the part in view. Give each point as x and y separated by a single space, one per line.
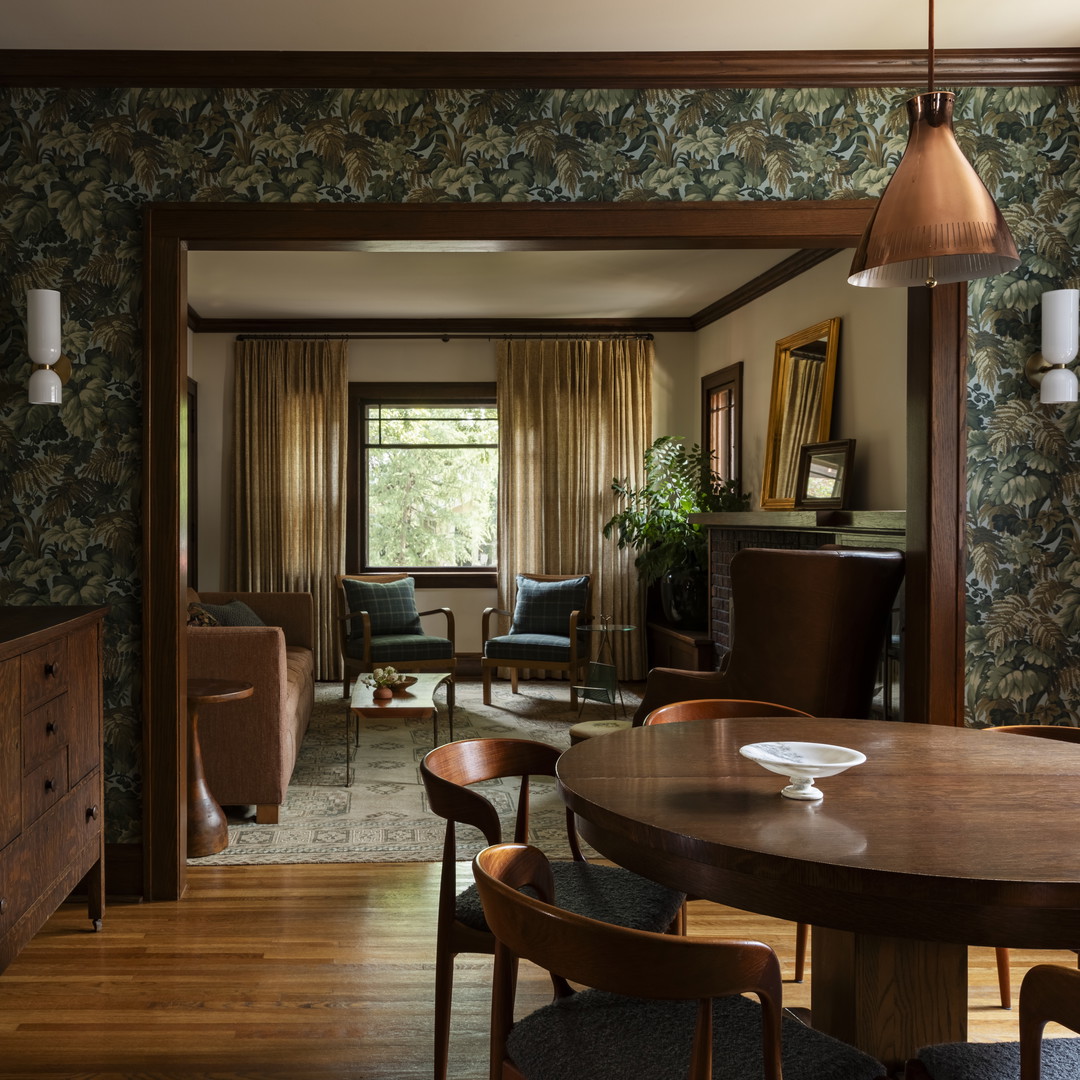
536 70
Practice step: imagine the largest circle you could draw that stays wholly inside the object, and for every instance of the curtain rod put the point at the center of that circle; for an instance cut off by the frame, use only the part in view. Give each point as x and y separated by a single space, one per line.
613 336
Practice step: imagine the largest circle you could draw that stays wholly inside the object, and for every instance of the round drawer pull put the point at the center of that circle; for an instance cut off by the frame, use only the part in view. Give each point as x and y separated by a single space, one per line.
3 904
52 670
50 728
92 813
50 785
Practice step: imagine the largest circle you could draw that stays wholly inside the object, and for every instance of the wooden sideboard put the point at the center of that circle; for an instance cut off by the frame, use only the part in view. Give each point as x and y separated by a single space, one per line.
51 796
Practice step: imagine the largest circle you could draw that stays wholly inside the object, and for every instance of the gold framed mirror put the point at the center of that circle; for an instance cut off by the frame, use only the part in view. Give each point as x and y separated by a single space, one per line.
800 409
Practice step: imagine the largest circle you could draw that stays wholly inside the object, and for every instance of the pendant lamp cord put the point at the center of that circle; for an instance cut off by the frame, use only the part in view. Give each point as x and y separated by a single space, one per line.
930 49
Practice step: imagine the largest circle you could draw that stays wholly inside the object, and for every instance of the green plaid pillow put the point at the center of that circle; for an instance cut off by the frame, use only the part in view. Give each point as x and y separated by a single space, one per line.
234 613
391 606
543 607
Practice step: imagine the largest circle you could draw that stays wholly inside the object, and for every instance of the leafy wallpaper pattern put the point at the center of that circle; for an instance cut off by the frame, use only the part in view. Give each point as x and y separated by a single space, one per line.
76 165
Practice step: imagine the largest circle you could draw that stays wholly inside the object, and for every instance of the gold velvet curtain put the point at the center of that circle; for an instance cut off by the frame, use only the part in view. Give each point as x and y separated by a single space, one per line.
573 415
289 452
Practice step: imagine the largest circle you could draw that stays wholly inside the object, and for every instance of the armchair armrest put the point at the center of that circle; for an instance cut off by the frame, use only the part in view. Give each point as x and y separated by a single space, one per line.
449 621
365 632
486 621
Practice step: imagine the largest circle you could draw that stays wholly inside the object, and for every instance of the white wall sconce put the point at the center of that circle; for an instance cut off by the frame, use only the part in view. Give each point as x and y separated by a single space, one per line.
43 344
1060 344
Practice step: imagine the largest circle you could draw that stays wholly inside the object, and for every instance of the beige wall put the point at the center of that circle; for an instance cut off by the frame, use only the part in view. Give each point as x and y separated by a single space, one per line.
870 404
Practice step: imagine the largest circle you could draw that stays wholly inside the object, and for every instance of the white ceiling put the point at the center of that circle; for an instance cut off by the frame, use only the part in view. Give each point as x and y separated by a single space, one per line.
554 25
521 284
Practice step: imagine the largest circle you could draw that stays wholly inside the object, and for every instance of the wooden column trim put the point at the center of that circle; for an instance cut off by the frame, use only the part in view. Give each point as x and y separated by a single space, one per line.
937 396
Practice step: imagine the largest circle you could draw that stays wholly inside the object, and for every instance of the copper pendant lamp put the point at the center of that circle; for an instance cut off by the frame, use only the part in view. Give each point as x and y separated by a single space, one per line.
935 222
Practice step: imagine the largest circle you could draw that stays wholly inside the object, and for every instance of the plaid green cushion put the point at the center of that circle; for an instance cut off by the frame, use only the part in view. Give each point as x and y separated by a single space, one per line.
544 607
234 613
548 647
391 606
398 648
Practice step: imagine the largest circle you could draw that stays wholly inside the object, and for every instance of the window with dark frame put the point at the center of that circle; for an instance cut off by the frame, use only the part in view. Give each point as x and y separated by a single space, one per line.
423 481
721 421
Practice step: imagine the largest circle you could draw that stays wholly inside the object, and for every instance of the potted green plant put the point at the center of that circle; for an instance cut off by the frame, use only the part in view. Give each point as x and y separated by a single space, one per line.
655 520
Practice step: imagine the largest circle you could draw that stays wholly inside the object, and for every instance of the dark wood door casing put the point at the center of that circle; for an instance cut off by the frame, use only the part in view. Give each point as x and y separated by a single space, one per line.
935 451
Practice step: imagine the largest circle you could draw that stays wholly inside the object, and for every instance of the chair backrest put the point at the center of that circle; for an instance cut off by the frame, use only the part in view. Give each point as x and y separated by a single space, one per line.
717 709
1049 993
614 958
448 770
808 627
1040 731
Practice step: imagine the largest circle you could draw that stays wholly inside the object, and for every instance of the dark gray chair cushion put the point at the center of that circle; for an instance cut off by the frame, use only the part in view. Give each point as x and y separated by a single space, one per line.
999 1061
544 607
610 894
600 1036
391 606
402 647
539 647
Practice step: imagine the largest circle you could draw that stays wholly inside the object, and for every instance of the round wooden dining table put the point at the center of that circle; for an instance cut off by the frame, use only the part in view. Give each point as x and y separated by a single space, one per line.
943 838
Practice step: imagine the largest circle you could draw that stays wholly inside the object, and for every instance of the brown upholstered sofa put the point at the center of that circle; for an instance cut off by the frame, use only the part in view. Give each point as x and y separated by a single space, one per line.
249 747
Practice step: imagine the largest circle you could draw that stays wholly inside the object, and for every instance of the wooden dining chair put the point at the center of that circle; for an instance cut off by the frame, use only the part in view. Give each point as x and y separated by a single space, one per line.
1059 733
655 1006
1049 993
602 892
718 708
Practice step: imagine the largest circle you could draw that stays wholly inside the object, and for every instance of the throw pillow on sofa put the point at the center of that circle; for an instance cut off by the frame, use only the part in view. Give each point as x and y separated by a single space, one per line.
197 615
234 613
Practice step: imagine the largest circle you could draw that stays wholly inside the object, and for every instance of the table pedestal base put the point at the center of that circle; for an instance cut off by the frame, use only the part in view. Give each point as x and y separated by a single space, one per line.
888 996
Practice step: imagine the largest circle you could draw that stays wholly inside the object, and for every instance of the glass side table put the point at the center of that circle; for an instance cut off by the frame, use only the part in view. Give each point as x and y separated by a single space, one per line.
602 677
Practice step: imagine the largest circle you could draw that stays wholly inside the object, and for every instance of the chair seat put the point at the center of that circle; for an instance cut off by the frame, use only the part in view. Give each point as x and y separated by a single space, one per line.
401 647
596 1035
539 647
609 893
999 1061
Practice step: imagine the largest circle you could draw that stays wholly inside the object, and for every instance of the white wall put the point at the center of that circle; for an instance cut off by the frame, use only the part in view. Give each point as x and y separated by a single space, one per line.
870 403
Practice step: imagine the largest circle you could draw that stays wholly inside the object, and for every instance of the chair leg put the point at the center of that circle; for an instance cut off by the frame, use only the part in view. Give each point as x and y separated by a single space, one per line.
487 685
444 991
513 680
1004 977
345 686
802 931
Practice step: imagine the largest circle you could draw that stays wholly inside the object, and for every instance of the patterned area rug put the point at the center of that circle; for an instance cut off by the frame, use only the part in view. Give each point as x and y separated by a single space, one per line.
383 816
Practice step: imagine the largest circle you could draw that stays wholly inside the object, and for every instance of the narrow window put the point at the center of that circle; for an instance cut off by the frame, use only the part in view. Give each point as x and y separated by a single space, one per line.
721 420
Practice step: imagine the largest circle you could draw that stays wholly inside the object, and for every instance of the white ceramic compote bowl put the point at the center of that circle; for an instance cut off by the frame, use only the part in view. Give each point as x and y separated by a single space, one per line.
802 763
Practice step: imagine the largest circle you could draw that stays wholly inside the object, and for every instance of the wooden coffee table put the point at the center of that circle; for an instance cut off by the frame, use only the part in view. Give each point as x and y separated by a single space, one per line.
207 828
416 701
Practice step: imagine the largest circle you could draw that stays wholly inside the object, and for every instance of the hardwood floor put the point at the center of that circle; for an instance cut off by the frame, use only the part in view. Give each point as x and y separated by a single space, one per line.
320 972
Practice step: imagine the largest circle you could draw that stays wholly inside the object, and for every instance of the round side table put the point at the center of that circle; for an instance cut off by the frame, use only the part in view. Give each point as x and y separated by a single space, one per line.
207 829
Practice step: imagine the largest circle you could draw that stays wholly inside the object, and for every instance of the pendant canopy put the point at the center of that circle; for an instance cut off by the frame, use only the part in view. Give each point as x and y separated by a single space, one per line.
935 221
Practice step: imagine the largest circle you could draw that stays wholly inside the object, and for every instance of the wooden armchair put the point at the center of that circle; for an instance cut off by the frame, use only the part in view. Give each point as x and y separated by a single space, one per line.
544 635
687 1008
379 626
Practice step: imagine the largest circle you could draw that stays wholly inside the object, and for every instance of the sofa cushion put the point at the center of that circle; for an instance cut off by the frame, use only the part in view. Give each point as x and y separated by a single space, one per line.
197 615
544 607
391 606
234 613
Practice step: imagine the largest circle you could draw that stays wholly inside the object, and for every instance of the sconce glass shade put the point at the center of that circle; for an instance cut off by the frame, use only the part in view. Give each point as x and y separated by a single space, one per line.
935 222
45 387
43 325
1060 344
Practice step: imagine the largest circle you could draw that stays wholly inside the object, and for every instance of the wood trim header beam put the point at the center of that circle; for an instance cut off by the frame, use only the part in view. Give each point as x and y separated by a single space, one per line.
538 70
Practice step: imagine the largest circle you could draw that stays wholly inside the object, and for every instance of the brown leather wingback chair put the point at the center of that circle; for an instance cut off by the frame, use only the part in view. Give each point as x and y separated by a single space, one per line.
807 631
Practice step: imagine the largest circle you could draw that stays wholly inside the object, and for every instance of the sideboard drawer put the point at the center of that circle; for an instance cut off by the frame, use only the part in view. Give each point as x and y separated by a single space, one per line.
44 673
45 786
45 731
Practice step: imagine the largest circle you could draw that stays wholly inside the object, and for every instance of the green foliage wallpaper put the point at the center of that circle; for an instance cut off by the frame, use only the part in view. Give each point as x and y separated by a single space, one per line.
76 165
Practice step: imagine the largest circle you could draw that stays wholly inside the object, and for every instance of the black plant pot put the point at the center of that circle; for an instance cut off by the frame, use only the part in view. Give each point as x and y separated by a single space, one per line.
684 596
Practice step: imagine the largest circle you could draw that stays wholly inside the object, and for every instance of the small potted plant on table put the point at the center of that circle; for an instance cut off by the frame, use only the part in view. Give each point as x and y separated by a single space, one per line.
385 680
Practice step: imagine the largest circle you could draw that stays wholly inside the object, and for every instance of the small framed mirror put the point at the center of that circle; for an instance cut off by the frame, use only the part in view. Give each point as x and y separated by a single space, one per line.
800 410
824 477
